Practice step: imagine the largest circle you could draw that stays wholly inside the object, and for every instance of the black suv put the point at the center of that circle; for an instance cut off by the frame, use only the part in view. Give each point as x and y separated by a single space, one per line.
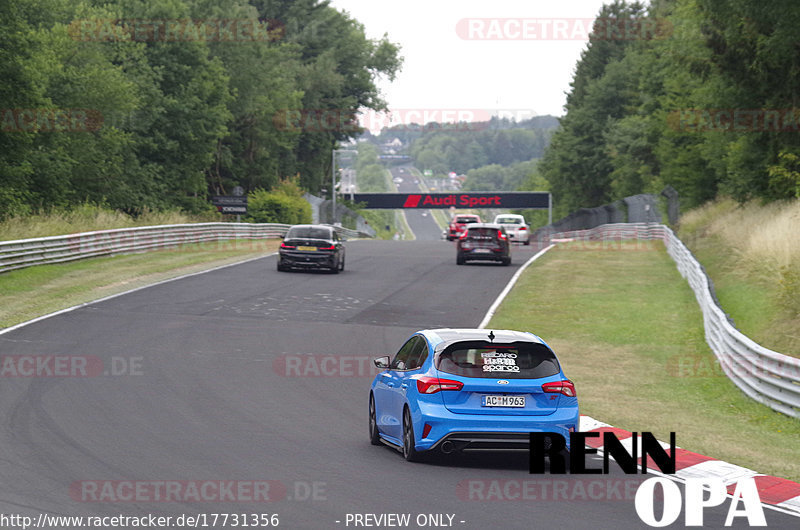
483 241
311 247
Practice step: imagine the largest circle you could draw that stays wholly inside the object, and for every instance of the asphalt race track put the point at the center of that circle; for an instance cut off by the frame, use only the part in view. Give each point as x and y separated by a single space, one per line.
420 221
250 375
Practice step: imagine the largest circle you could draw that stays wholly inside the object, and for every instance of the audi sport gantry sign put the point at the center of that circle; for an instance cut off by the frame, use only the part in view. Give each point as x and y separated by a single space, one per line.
537 200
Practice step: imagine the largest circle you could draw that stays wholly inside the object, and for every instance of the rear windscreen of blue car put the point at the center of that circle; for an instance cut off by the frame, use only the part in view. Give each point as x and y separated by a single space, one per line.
521 360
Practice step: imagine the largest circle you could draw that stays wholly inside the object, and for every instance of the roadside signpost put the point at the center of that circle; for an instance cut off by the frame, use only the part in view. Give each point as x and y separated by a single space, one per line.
230 204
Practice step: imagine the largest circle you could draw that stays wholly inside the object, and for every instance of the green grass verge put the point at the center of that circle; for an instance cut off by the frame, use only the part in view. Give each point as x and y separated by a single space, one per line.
379 220
752 253
88 217
384 222
35 291
441 219
747 298
629 333
751 297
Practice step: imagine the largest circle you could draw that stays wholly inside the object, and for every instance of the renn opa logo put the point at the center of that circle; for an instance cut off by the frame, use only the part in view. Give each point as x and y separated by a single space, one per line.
700 493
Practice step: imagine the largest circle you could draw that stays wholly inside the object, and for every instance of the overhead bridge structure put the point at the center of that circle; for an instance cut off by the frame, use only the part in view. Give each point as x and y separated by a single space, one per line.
538 200
534 200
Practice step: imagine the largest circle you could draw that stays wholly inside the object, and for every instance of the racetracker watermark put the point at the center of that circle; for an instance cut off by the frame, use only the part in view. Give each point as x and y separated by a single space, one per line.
555 490
349 121
735 120
316 120
549 29
177 30
177 491
68 366
258 491
149 520
50 120
313 365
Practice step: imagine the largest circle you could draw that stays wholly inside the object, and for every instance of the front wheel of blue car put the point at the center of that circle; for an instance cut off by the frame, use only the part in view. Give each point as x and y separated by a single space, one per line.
410 452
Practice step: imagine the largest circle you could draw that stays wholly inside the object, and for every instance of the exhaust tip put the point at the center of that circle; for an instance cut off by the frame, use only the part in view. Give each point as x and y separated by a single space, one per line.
448 447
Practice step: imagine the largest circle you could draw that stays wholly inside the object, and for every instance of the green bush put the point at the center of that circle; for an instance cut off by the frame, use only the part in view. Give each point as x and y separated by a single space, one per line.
785 176
15 204
283 204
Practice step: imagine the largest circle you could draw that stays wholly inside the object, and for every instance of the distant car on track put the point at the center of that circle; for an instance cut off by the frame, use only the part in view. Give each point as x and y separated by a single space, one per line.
483 242
458 223
516 227
469 389
312 247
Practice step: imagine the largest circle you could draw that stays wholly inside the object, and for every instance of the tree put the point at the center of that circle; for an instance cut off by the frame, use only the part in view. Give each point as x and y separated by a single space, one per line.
172 121
577 163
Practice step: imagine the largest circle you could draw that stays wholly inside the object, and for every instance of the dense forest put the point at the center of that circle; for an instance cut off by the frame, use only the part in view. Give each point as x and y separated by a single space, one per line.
140 104
155 105
707 104
498 154
499 141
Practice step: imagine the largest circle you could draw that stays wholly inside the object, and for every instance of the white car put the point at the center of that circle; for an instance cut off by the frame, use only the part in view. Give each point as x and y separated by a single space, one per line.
516 227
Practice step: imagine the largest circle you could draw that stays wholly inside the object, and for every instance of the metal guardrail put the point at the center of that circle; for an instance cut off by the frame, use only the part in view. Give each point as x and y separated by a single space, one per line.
766 376
56 249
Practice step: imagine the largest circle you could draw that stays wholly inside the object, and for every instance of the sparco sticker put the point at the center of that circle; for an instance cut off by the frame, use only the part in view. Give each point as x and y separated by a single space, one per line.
495 361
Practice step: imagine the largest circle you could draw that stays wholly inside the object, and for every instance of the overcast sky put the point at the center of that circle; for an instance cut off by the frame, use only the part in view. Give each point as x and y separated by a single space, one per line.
514 55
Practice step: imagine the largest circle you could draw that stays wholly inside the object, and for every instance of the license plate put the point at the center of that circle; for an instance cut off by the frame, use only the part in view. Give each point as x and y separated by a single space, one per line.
503 401
482 251
306 248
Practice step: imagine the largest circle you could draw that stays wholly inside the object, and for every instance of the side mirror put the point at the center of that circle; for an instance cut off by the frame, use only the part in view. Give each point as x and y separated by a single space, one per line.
382 362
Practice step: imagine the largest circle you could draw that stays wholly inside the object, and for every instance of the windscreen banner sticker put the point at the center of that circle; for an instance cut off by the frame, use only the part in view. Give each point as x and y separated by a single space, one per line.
496 361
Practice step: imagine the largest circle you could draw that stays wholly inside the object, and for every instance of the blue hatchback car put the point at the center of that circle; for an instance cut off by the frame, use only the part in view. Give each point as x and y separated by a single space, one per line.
469 389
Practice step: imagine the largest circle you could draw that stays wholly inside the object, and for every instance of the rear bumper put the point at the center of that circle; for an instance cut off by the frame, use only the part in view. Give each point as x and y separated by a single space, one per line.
483 441
308 260
470 255
480 432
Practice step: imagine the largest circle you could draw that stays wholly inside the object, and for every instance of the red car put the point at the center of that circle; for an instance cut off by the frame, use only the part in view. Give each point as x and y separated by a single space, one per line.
459 224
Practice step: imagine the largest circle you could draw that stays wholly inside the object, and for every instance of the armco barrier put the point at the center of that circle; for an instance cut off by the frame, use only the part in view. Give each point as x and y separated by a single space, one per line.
766 376
27 252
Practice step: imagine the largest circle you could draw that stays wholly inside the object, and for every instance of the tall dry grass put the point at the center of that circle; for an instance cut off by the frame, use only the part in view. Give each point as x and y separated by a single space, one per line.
764 244
765 236
89 217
